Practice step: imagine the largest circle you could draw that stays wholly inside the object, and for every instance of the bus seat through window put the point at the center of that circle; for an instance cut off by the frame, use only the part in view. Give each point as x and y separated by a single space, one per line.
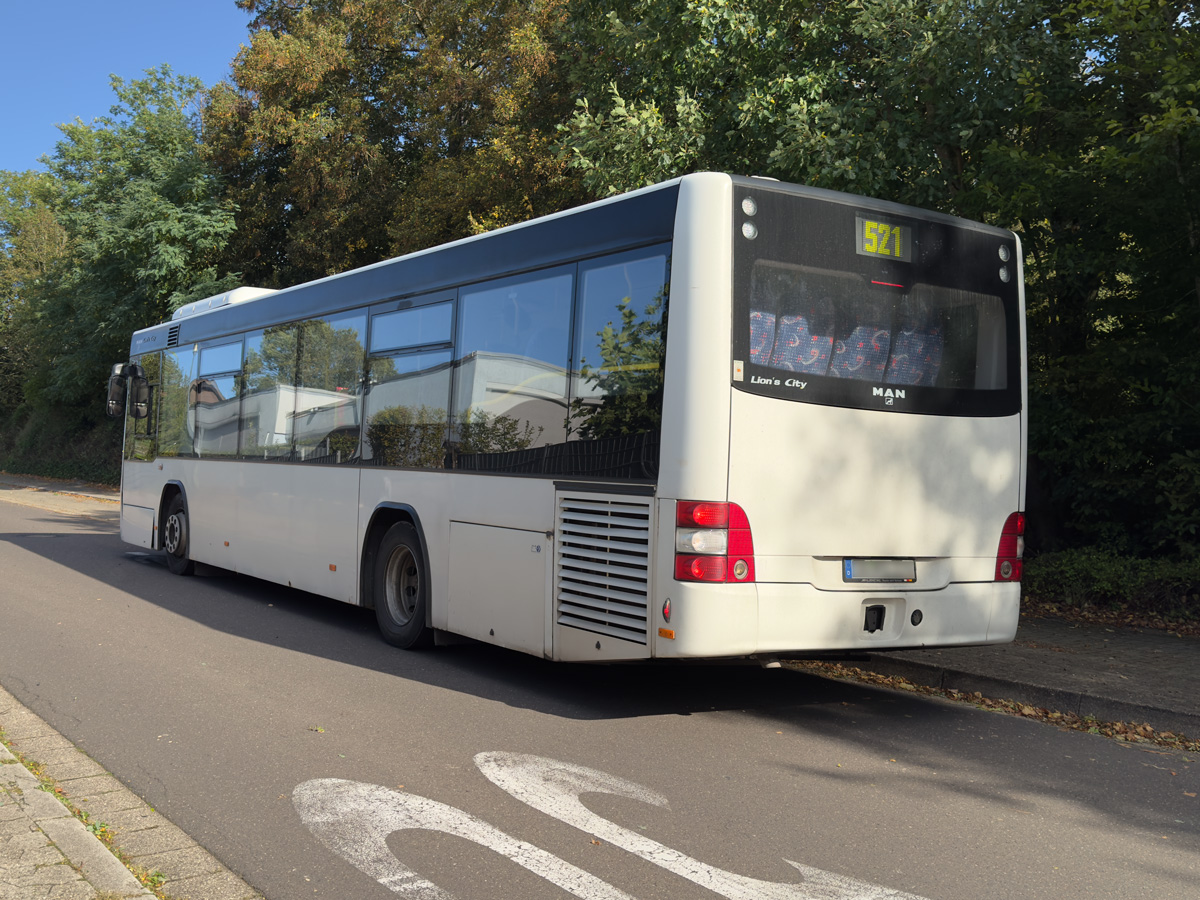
799 349
916 351
762 336
862 354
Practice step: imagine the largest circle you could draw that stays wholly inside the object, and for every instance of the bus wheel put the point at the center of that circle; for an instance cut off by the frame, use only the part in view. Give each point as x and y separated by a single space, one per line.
175 537
401 594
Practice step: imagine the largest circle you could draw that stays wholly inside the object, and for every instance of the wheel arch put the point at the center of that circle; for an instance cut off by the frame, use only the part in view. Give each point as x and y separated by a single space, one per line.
384 517
171 489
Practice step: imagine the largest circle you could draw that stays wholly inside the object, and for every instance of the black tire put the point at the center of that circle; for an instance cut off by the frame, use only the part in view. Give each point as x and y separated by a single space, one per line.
401 589
176 537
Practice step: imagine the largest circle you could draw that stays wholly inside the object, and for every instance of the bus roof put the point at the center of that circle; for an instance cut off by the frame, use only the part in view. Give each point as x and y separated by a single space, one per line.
630 220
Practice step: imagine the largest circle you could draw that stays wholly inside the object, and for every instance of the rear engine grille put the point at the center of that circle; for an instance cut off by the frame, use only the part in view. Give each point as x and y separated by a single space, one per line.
602 565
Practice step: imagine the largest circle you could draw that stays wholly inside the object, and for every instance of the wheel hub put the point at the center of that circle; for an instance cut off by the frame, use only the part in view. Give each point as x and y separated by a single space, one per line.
173 534
403 585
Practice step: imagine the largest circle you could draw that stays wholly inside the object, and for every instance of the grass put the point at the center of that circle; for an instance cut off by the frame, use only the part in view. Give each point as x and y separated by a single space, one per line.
153 880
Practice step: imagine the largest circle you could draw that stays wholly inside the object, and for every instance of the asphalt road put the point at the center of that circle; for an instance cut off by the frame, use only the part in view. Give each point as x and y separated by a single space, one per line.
281 733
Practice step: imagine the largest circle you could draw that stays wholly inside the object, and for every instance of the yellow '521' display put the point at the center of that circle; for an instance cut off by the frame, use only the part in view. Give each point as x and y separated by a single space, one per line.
881 238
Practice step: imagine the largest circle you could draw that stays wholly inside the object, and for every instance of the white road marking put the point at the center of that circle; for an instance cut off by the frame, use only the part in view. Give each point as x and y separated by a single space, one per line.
354 819
554 787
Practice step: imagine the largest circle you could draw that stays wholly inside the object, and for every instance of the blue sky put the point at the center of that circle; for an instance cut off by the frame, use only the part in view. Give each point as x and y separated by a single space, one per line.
58 54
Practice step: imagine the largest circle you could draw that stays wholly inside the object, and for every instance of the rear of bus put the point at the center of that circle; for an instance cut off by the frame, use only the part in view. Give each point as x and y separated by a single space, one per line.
868 490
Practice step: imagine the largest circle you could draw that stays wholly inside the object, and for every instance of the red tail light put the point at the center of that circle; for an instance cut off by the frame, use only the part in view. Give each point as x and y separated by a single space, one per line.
713 543
1012 547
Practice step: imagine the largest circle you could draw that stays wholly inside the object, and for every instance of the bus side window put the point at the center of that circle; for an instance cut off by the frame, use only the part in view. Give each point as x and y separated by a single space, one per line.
406 418
511 364
329 387
213 400
616 388
269 393
408 395
174 428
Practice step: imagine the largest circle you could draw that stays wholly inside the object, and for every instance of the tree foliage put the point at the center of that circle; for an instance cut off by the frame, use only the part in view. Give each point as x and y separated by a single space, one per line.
31 242
143 218
353 131
313 354
407 436
1074 124
627 380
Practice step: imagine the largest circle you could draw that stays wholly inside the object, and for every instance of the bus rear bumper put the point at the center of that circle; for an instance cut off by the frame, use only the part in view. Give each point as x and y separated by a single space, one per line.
798 618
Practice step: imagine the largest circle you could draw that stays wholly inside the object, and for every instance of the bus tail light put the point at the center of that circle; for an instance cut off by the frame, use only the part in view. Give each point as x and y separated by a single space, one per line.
713 543
1012 548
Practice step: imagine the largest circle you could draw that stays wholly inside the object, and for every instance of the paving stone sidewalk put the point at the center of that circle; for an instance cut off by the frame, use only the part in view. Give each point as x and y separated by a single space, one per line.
46 853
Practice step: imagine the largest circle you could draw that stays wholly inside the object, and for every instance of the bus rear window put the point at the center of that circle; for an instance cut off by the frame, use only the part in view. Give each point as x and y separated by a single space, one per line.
823 315
837 325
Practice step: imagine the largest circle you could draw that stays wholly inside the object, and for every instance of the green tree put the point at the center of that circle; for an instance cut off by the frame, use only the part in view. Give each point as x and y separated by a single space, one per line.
144 220
356 130
311 354
1074 124
31 242
628 380
886 97
1106 192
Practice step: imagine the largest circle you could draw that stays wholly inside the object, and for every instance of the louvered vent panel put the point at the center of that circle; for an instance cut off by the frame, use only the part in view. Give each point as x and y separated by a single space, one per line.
173 336
602 565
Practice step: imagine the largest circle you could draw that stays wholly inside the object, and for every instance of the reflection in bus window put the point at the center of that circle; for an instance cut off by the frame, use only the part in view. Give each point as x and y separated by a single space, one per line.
213 415
221 358
269 405
617 387
511 366
174 435
406 410
213 400
328 388
411 327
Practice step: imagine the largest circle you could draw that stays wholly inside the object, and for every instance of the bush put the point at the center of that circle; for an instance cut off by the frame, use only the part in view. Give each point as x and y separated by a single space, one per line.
1095 577
61 442
402 436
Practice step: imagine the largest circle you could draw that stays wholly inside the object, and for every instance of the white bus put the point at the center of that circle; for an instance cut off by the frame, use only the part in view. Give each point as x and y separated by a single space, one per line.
717 417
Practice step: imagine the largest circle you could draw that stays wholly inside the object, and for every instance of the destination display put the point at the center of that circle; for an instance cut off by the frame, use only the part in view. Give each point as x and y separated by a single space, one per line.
881 238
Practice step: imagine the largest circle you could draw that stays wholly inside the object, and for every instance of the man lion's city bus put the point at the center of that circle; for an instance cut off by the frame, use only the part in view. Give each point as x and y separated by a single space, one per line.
717 417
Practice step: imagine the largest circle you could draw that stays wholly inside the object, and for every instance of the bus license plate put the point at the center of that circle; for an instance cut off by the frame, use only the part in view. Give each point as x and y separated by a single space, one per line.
879 571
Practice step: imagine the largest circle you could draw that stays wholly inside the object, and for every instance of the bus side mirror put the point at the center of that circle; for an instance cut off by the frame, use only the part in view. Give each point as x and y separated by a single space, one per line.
116 392
139 398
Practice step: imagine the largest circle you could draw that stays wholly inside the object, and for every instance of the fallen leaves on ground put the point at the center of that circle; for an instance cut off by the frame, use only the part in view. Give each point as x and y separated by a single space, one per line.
1121 616
1131 732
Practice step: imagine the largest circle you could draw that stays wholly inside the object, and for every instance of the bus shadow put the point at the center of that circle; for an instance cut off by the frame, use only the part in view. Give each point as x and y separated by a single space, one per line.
308 624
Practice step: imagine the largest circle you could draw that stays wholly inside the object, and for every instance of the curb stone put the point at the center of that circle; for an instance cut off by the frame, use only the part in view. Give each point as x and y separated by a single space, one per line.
1081 703
144 837
67 860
